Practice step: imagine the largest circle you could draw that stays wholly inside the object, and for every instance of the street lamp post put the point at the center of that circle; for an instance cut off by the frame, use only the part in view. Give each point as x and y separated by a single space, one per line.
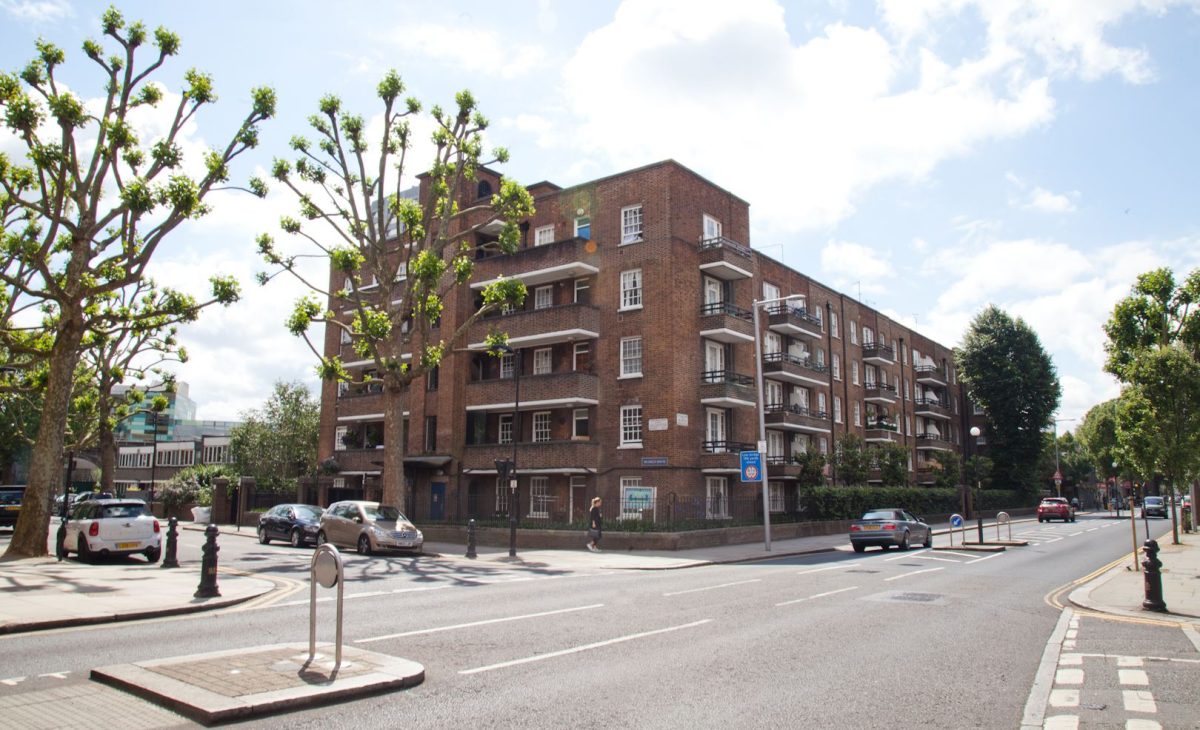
153 458
978 487
509 473
762 419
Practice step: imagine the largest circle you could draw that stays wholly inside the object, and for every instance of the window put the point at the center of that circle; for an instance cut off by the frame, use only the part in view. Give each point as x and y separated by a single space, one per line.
631 357
508 363
833 325
821 402
539 496
342 388
820 352
432 378
714 361
631 289
631 426
712 228
770 291
714 291
908 425
816 312
543 297
541 361
776 494
505 429
837 366
216 454
581 291
837 409
857 414
346 338
631 224
775 446
774 393
895 348
868 336
717 503
854 371
714 430
583 227
916 357
823 445
976 409
903 356
502 490
543 235
853 333
772 343
339 438
484 189
541 427
906 391
431 433
580 426
580 358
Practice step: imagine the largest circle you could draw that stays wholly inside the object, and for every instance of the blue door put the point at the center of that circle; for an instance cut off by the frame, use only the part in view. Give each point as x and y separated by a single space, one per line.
437 501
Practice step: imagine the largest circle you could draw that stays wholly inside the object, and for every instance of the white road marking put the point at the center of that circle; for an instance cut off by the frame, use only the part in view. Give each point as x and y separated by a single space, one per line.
1133 677
1072 633
12 682
930 557
585 647
1054 540
1092 529
986 557
903 555
819 595
1073 534
1129 661
961 555
713 588
1142 723
1070 660
821 570
1062 722
1068 676
1139 700
1064 698
915 572
56 675
478 623
371 594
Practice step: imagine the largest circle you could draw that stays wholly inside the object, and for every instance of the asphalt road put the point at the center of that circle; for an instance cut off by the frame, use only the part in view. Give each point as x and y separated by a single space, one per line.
918 639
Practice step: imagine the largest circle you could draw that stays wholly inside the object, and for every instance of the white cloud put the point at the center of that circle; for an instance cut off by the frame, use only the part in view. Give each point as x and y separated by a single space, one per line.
853 264
38 11
1040 199
477 50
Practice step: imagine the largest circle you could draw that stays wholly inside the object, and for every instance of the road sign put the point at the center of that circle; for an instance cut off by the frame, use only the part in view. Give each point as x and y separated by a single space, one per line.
751 466
956 521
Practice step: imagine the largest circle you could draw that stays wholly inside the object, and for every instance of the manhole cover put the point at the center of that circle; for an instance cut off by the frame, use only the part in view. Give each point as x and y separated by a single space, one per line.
916 597
929 599
860 570
1089 706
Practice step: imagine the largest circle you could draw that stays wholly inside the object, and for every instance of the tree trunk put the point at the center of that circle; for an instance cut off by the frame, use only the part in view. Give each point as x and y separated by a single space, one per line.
46 461
108 455
395 492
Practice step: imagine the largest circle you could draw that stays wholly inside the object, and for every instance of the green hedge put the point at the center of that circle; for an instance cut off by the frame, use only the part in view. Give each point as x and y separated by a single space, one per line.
849 503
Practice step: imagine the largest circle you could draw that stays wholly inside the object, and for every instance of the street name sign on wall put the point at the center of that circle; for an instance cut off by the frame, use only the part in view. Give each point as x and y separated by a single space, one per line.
751 466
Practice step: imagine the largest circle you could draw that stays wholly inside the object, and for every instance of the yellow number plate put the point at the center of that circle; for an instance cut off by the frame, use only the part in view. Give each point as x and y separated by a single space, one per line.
127 545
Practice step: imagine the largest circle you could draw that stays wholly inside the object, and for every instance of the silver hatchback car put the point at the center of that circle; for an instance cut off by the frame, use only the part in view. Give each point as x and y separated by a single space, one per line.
368 527
888 527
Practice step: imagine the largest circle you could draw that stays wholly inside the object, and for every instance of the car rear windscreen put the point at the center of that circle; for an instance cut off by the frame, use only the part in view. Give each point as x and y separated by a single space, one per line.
122 511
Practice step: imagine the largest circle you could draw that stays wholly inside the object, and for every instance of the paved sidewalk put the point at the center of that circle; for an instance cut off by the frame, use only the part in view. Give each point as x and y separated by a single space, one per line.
1120 590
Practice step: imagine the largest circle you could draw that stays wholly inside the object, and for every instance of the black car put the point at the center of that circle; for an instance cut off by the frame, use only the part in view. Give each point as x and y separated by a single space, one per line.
296 523
10 504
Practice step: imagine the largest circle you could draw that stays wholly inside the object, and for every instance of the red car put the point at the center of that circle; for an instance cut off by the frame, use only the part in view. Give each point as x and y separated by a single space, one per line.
1055 508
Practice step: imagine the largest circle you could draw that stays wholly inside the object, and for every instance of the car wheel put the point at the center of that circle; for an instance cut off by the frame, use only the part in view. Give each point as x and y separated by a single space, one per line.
262 535
364 545
858 547
1039 520
297 539
153 554
928 539
904 541
321 539
85 553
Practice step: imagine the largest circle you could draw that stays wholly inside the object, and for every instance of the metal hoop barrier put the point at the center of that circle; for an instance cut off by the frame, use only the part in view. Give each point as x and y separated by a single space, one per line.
326 569
957 522
1003 518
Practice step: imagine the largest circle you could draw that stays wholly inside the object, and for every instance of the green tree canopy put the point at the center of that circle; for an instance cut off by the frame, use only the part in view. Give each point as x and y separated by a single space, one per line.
1097 436
851 460
277 444
1010 375
1158 312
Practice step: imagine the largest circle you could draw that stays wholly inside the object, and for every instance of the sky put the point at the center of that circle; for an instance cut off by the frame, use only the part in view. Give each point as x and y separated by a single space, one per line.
929 157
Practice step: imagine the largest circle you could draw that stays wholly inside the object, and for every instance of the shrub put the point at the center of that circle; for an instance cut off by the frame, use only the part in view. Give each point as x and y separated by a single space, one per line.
195 484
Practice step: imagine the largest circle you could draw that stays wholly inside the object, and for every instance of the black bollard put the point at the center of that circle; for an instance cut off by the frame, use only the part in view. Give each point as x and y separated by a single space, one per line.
471 538
1153 578
169 559
208 565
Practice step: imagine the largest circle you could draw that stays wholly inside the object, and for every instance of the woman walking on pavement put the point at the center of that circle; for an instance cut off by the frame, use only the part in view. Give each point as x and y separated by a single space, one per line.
594 526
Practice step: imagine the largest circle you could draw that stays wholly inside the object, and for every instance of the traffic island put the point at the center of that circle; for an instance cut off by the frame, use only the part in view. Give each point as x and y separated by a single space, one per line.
973 547
242 683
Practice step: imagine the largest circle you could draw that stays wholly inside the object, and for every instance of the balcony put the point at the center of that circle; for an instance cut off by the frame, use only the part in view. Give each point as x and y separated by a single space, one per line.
879 393
795 418
726 388
925 476
881 433
572 258
552 390
565 457
725 322
930 375
359 461
723 455
878 354
725 259
933 442
540 327
931 408
783 366
782 467
793 321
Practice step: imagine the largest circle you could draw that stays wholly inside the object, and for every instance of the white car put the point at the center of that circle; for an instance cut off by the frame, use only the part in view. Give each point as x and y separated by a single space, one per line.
104 527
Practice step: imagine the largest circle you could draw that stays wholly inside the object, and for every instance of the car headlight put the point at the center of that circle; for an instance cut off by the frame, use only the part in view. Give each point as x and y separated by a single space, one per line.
420 535
310 528
379 532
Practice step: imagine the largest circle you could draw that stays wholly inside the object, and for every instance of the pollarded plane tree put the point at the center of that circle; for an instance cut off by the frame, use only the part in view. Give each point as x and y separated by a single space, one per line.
392 259
97 203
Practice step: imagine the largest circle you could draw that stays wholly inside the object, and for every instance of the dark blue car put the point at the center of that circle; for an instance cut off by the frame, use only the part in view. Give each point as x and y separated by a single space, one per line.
295 523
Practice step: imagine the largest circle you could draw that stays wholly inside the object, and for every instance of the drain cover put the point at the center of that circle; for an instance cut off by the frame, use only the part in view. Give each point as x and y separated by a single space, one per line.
860 570
929 599
916 597
1088 706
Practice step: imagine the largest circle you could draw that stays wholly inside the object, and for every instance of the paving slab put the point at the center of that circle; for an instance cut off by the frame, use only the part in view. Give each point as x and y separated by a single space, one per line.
242 683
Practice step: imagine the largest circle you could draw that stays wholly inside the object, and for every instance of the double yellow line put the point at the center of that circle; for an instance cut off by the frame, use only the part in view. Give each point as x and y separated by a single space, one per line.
1055 599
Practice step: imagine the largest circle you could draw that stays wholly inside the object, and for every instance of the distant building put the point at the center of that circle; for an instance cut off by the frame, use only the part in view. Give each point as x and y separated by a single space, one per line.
140 426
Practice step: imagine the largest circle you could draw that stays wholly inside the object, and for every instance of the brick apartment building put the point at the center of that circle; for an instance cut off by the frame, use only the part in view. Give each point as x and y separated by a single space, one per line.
635 361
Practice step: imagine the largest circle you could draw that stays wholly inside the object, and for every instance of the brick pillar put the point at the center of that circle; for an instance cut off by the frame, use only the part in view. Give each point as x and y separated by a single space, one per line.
246 487
220 503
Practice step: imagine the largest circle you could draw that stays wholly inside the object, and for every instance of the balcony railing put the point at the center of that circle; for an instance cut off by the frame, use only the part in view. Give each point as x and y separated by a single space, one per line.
795 410
709 309
930 374
793 320
726 447
796 417
879 391
785 358
726 376
874 351
935 407
929 440
725 243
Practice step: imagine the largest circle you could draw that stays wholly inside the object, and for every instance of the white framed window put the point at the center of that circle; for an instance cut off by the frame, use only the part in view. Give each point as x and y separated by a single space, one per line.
816 312
903 356
908 425
837 409
800 443
772 343
770 291
714 430
507 308
712 227
342 388
542 361
541 427
346 338
539 497
502 490
895 347
714 290
906 390
581 291
857 414
339 482
714 359
717 502
774 393
631 426
580 359
775 445
823 445
853 333
543 297
868 336
916 357
636 499
776 496
631 357
580 424
583 227
821 402
631 289
339 438
543 235
505 429
800 396
820 356
631 224
854 371
833 326
837 366
508 362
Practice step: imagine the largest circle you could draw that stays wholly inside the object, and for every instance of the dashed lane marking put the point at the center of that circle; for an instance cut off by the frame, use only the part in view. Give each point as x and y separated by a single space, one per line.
1064 698
1133 678
819 595
821 570
1068 676
1137 700
12 681
1141 723
713 588
928 557
1062 722
1073 534
915 572
478 623
985 557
